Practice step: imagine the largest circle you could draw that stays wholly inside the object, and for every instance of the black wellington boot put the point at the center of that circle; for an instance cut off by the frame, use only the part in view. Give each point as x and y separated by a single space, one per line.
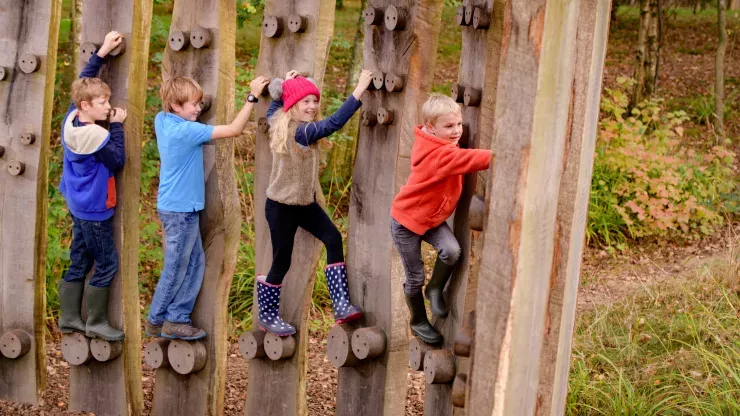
435 288
419 322
70 303
97 315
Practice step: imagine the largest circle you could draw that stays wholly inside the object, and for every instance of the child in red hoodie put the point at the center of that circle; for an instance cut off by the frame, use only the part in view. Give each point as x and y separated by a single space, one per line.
429 197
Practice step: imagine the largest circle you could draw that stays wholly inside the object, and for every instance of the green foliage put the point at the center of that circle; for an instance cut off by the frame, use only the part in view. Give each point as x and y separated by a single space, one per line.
646 182
246 9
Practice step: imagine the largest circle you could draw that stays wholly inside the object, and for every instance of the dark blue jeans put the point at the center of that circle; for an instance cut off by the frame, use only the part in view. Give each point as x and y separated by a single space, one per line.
92 243
184 265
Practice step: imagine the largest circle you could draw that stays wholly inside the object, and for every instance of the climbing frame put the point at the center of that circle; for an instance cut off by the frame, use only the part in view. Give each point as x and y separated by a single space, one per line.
28 33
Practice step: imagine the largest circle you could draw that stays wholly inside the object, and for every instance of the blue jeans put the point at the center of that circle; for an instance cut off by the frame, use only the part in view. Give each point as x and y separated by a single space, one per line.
184 265
92 243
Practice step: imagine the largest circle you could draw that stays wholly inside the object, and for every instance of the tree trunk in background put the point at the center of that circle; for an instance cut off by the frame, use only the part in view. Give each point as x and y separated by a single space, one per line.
648 51
719 83
734 5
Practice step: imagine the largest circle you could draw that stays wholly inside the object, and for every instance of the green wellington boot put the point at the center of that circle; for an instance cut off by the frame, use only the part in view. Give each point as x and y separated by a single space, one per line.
97 315
436 286
419 322
70 301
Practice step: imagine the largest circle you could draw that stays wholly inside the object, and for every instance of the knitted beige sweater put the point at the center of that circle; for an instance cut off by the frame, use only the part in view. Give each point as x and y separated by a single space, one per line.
295 174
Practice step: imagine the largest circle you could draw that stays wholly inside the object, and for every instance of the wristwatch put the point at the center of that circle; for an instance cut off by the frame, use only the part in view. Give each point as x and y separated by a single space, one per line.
251 98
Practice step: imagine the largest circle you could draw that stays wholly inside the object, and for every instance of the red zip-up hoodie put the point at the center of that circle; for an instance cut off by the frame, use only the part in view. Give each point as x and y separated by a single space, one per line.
435 184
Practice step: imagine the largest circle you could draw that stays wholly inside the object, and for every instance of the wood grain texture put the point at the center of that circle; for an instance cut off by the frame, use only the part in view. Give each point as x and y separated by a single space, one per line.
202 393
593 31
27 26
279 387
126 75
530 123
378 387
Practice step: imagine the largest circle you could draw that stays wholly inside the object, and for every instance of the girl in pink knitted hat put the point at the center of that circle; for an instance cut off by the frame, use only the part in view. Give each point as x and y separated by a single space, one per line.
291 194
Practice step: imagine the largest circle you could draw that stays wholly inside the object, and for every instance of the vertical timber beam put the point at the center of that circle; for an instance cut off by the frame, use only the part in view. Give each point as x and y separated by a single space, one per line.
575 187
29 30
534 90
114 386
378 386
278 387
197 387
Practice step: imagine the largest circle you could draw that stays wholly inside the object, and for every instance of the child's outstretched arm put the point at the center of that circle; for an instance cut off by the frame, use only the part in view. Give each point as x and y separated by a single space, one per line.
236 126
455 161
309 133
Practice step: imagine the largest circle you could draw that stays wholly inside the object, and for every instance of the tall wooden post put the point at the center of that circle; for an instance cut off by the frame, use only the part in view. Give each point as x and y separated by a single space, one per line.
192 378
109 383
572 210
29 30
400 46
277 385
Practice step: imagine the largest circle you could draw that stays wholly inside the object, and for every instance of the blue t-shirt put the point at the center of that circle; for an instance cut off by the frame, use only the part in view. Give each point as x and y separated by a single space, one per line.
182 183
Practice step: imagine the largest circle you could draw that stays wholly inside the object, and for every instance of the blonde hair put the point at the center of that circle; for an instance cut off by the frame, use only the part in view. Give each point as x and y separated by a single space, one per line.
88 89
436 106
179 90
283 126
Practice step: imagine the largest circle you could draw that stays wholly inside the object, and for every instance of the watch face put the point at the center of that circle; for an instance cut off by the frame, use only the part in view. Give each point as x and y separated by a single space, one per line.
251 98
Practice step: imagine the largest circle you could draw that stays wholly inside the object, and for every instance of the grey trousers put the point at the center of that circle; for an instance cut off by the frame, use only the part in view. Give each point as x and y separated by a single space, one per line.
408 244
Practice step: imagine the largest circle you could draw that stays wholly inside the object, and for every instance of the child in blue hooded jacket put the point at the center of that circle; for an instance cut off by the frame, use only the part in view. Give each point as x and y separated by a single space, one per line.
92 155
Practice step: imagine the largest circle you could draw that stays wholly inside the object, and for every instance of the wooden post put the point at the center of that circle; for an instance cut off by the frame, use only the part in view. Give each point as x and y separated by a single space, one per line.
572 211
28 28
278 387
201 391
113 386
400 39
529 137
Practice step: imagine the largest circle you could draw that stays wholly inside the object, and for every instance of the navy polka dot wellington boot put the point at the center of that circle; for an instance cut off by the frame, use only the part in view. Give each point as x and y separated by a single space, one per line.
268 301
336 279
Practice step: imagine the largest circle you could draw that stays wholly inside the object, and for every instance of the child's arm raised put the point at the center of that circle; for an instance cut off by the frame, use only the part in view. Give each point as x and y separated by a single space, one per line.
113 154
236 126
112 39
310 133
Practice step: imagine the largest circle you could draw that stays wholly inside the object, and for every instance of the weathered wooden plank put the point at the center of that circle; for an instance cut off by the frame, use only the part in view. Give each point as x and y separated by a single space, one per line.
279 387
202 391
378 387
529 134
126 74
593 31
26 27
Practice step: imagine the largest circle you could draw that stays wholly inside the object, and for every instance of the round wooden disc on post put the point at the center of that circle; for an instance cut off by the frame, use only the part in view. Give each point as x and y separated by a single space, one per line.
87 50
252 344
460 17
457 93
103 350
417 350
439 366
468 16
200 37
384 116
373 16
378 80
369 343
155 353
205 103
279 348
29 63
481 20
16 168
27 138
2 151
472 96
15 344
3 73
393 82
297 23
120 49
179 40
272 26
368 118
395 18
339 346
476 213
458 390
187 357
76 348
262 125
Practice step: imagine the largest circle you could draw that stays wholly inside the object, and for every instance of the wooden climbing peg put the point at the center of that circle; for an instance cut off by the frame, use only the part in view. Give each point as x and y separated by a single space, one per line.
252 344
27 138
179 40
439 366
417 350
272 26
471 97
460 18
29 63
368 118
395 18
468 16
464 337
103 350
155 353
279 348
481 19
465 136
369 343
457 93
378 80
476 213
297 23
200 37
373 16
15 344
339 346
120 49
16 168
384 116
393 82
3 73
2 151
205 103
76 348
87 50
458 390
187 357
263 125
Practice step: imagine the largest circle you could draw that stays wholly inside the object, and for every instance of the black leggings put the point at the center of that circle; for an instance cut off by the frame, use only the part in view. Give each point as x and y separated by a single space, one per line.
284 221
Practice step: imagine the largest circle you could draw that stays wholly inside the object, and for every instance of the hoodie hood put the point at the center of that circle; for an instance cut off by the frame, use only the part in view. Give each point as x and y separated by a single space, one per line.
84 140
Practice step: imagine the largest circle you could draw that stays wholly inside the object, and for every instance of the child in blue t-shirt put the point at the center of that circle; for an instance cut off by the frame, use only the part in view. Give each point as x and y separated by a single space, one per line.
181 198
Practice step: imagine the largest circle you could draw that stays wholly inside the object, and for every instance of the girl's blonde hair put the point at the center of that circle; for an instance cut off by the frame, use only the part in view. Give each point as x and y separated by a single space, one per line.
283 126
